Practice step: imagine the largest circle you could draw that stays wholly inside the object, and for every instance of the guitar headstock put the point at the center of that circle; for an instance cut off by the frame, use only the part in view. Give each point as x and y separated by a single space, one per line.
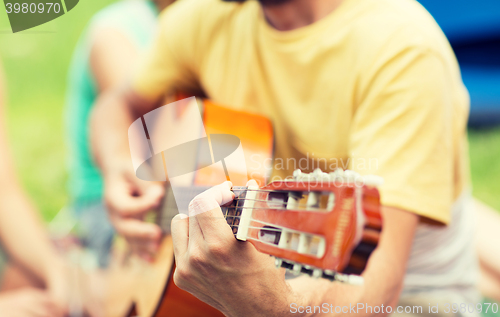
311 223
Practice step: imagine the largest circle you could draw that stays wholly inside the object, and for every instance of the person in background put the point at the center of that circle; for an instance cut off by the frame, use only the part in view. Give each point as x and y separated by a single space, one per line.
105 55
33 278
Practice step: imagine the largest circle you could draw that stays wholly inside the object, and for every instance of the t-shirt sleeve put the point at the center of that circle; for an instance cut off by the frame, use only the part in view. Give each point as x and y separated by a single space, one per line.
163 69
402 130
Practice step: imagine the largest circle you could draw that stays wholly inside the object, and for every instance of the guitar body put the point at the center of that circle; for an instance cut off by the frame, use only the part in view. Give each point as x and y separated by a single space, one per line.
137 288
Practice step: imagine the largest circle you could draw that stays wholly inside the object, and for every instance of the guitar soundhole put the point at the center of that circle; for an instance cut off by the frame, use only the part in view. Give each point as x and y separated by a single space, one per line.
270 234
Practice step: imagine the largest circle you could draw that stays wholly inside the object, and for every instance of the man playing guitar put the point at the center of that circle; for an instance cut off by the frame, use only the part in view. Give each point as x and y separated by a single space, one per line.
370 85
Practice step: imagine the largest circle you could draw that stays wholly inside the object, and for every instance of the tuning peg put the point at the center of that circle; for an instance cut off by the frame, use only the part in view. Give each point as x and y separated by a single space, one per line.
373 180
355 280
317 174
297 268
349 279
296 174
317 273
278 262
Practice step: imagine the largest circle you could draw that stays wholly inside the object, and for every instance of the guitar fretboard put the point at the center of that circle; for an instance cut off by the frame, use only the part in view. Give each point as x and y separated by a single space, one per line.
232 213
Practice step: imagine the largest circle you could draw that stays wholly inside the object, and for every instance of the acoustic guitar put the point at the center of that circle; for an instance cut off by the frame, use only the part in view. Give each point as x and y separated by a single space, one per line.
308 223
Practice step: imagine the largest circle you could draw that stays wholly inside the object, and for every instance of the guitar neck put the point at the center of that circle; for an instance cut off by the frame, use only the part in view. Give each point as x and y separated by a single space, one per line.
308 231
169 207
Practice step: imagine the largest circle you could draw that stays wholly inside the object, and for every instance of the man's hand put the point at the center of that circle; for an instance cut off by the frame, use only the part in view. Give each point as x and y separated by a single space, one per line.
218 269
71 287
235 278
128 200
29 302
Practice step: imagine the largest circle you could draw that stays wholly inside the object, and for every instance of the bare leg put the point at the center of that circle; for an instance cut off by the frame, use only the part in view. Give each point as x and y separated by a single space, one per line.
488 248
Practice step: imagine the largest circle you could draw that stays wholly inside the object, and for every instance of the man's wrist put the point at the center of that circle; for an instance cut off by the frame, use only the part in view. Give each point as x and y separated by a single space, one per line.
113 166
273 301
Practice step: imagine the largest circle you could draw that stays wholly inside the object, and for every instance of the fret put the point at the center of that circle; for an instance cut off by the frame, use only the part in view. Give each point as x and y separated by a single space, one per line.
233 211
169 209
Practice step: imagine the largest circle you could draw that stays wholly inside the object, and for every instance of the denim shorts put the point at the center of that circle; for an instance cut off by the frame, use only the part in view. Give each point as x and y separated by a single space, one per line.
94 229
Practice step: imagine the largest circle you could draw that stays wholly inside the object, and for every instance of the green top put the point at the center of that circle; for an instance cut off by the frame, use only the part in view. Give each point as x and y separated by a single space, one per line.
3 262
136 19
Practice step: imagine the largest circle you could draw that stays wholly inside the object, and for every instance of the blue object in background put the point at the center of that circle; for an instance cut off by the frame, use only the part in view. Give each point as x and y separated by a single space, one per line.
473 29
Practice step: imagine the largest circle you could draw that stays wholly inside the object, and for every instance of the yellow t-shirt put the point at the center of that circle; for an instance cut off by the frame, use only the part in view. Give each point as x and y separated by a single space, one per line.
374 87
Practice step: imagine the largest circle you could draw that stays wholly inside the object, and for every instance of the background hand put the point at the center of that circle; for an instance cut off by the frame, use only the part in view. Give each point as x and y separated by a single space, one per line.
29 302
128 200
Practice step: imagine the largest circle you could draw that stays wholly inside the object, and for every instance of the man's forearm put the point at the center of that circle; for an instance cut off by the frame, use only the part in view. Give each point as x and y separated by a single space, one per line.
21 230
331 298
383 276
23 235
110 120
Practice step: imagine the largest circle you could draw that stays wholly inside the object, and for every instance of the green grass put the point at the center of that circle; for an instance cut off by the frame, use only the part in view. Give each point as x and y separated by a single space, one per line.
484 149
36 64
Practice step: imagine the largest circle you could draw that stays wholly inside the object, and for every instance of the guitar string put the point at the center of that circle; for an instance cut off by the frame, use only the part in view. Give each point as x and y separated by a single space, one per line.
332 273
274 226
241 191
277 207
267 229
255 220
258 221
273 206
227 208
265 201
261 228
277 204
277 226
266 223
269 190
227 215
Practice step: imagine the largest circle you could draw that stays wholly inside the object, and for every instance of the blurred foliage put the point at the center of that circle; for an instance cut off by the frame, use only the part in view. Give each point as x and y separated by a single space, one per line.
36 63
484 151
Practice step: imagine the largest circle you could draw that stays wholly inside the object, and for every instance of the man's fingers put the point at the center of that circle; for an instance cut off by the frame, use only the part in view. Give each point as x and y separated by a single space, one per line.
143 238
180 235
151 191
211 199
252 183
136 229
133 199
42 305
205 211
